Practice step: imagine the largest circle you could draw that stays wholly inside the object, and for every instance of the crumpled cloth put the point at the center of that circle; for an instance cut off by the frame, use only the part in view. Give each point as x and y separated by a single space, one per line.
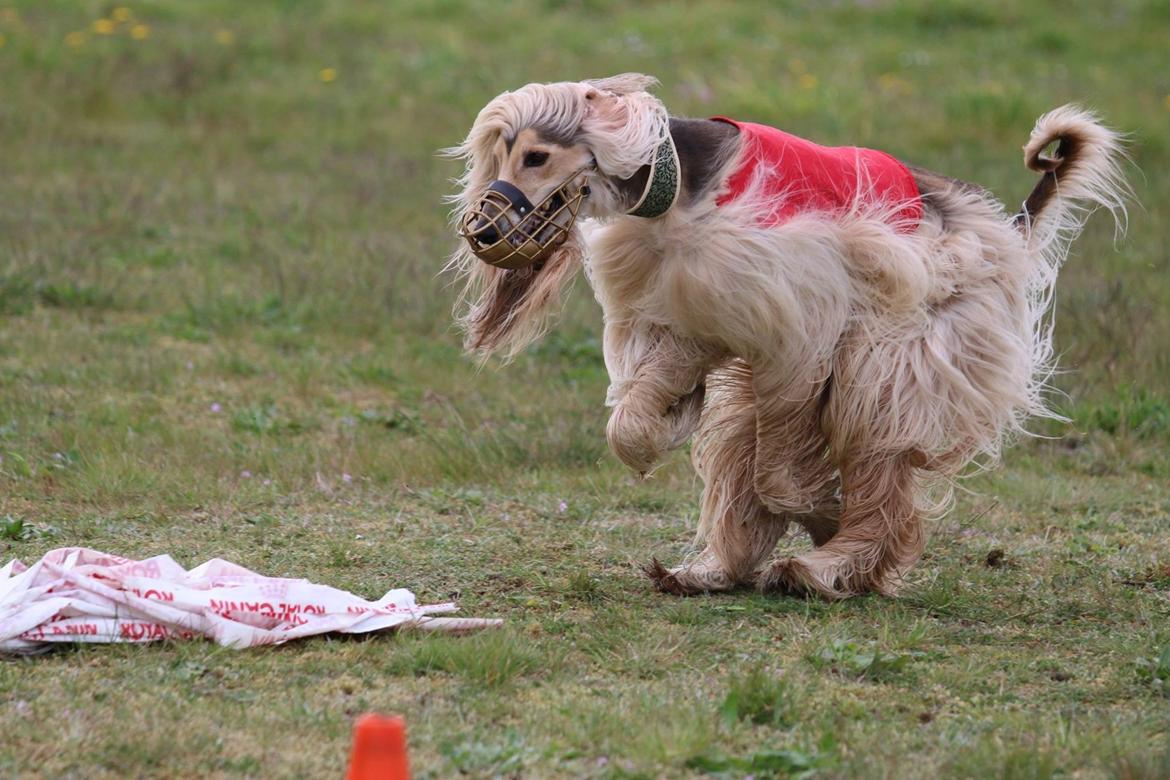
74 594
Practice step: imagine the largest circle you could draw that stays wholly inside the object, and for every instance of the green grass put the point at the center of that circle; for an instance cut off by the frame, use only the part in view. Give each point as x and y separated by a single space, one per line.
223 332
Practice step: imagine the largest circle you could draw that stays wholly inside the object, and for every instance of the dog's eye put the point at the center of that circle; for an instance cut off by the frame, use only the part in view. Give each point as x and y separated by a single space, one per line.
535 159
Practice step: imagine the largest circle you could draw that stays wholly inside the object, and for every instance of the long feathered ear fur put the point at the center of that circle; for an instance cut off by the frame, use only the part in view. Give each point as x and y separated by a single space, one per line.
502 311
623 123
624 83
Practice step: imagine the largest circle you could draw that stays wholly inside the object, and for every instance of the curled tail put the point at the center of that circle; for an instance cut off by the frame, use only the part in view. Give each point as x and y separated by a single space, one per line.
1082 174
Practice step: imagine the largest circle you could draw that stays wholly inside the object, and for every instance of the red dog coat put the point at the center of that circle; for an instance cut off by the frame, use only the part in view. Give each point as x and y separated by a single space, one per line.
804 176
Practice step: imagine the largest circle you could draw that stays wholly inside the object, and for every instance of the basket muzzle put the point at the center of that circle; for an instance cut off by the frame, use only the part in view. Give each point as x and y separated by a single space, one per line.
505 230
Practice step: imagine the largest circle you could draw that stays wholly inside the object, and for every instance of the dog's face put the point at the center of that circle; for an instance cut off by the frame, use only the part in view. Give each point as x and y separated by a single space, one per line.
528 211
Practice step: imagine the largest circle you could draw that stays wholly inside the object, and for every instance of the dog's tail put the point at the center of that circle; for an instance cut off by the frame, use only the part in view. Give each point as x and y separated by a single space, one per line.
1081 174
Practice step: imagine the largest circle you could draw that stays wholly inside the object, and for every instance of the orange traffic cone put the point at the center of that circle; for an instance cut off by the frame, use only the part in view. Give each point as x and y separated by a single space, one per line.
379 749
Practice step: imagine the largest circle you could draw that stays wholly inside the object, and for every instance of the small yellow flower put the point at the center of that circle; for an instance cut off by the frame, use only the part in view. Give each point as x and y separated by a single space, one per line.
328 74
225 37
75 39
139 31
3 40
807 81
1166 101
103 26
122 14
893 83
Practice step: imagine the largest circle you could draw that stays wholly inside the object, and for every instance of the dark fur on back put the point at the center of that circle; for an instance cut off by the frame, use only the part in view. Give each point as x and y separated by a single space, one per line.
934 187
704 147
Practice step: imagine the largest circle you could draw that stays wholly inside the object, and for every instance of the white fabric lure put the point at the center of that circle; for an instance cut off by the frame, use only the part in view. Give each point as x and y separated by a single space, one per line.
74 594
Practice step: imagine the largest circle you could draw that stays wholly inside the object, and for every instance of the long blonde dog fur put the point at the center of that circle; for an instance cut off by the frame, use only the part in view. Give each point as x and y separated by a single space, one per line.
833 370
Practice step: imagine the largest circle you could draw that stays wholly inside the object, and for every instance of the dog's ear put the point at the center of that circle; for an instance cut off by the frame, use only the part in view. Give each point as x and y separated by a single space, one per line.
608 101
623 84
622 123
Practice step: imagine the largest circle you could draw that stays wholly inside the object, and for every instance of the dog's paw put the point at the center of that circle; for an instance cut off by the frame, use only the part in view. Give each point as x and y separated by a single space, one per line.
663 578
637 440
782 577
698 576
792 577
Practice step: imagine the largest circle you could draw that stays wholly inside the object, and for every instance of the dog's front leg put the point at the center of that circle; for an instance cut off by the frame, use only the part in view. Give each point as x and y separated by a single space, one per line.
657 407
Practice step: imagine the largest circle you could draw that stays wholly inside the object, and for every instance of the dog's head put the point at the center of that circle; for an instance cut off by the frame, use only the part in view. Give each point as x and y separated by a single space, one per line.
536 159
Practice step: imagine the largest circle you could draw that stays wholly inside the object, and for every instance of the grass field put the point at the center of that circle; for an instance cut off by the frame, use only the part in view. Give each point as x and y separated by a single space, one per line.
222 333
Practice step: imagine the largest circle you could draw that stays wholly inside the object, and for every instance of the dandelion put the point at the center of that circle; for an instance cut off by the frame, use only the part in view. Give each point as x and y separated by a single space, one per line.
807 81
328 74
139 31
216 408
75 39
225 37
103 26
122 14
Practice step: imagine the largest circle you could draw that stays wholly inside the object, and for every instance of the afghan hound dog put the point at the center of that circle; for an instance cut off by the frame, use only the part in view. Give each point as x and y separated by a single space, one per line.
838 333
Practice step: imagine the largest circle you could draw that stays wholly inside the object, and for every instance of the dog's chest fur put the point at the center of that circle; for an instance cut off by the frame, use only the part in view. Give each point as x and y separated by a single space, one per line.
673 273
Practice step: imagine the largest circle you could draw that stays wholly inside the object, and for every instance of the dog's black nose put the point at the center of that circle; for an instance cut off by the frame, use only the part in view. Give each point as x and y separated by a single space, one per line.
487 235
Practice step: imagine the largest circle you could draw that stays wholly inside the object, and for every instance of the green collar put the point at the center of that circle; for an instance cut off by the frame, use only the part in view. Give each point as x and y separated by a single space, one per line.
663 186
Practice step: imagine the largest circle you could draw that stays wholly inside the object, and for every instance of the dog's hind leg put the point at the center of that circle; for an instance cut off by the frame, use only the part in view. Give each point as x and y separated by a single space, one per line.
738 531
823 522
793 473
879 539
